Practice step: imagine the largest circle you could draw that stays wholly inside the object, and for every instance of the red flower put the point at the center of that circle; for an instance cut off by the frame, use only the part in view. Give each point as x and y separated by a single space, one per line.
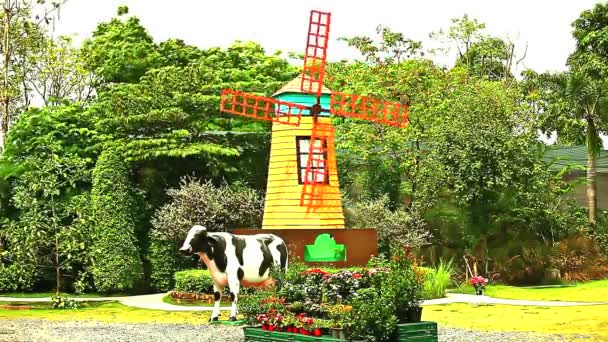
315 271
479 281
357 275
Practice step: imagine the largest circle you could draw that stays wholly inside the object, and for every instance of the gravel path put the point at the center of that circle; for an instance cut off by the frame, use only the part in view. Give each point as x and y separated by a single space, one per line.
35 330
453 334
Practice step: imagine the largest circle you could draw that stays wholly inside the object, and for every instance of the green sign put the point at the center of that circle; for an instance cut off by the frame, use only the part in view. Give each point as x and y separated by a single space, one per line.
325 249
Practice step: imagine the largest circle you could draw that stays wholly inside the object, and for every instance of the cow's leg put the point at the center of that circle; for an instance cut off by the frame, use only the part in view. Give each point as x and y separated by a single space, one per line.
217 297
234 284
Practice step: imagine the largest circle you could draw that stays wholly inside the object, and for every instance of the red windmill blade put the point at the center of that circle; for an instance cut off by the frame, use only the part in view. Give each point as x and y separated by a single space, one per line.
315 176
369 109
260 107
315 54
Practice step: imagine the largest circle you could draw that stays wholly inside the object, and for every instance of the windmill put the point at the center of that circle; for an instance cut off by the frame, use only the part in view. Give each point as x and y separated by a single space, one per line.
303 190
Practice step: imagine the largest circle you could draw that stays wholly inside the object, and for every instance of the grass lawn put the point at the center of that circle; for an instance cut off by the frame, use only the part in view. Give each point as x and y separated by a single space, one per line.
51 294
593 291
587 320
107 312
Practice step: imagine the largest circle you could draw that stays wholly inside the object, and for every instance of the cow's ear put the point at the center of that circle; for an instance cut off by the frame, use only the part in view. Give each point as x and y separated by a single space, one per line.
211 239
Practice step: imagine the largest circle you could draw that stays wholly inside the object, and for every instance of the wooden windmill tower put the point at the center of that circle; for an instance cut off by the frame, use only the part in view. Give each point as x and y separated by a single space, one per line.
303 190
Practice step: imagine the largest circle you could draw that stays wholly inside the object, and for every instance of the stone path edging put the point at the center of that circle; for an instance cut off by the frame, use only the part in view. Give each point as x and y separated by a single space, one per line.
155 302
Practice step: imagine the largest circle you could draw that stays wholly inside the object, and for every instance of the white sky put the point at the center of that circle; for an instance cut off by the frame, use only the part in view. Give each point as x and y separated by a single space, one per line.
544 25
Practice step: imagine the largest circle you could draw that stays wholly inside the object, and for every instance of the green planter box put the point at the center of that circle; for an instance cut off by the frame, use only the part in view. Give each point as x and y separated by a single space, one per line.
421 332
259 335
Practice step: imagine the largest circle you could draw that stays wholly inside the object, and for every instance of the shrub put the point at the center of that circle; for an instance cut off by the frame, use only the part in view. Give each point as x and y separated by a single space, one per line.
194 281
403 284
522 263
600 232
59 302
341 286
17 277
259 302
372 316
579 259
437 280
117 265
196 202
393 226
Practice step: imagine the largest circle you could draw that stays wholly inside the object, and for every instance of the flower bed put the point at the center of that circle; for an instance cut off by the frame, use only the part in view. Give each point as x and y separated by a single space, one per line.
370 303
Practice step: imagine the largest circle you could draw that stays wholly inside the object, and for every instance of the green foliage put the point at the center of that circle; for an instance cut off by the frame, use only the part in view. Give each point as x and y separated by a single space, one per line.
591 37
16 276
52 229
255 303
372 316
393 47
393 226
438 279
61 76
117 265
490 57
120 51
62 303
404 284
197 202
67 130
195 281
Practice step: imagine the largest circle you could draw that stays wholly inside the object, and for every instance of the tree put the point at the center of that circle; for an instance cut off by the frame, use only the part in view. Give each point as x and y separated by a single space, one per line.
490 57
479 53
121 51
59 74
393 48
52 230
591 37
463 33
577 109
22 35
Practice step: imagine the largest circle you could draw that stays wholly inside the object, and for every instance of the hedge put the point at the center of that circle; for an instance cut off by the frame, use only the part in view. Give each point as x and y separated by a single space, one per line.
194 281
116 262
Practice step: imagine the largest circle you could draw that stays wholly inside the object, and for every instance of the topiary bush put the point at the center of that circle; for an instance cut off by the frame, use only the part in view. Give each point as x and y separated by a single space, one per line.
196 202
194 281
116 262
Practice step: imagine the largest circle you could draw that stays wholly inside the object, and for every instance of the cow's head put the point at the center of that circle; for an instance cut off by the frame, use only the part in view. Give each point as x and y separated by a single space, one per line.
195 242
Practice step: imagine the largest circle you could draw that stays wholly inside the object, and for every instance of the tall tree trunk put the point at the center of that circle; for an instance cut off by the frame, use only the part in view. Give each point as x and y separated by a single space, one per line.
5 95
591 187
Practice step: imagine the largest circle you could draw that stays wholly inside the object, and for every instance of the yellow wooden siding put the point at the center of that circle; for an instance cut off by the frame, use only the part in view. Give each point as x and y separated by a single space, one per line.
283 209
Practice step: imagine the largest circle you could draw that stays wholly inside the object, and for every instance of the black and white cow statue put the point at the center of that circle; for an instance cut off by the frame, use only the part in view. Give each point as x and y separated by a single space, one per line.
235 260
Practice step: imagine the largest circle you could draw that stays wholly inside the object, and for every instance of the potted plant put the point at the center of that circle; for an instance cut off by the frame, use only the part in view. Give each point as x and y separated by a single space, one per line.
263 319
336 314
479 283
414 312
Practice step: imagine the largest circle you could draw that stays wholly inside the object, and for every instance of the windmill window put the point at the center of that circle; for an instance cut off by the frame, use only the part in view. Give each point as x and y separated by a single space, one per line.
318 169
